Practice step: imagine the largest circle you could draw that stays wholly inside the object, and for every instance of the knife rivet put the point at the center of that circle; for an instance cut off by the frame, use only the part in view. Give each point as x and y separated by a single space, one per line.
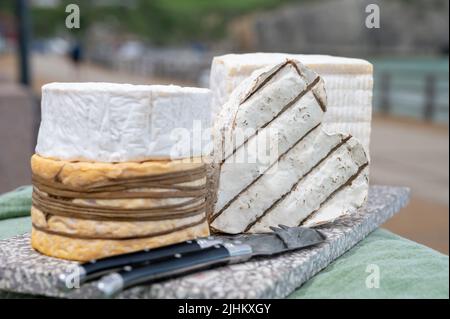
127 268
216 246
189 241
177 255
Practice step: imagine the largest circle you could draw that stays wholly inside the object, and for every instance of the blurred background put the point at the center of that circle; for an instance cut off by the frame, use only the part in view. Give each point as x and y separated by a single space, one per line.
173 41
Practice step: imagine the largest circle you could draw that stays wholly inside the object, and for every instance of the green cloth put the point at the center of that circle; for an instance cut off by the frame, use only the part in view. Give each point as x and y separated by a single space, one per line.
16 203
406 269
14 226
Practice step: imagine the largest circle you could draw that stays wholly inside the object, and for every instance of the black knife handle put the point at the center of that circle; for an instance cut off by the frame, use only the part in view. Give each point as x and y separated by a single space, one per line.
96 268
180 264
148 255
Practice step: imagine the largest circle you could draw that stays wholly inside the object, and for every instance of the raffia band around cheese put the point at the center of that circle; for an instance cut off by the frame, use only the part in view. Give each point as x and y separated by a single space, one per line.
115 207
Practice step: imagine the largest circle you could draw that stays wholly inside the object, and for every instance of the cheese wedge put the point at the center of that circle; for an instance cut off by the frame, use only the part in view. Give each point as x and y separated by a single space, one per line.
348 83
315 176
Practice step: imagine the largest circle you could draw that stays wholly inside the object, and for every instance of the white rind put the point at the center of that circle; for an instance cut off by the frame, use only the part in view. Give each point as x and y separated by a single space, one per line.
288 86
109 122
348 83
345 202
274 184
291 126
315 188
316 177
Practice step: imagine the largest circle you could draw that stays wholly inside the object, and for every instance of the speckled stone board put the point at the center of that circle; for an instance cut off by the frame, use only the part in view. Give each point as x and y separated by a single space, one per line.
23 270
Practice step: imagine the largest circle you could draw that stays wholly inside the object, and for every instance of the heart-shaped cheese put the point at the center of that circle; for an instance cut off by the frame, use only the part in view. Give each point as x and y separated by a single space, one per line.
274 164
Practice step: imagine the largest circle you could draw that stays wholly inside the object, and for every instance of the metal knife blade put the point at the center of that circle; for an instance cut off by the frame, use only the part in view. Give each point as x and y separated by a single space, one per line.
235 249
283 238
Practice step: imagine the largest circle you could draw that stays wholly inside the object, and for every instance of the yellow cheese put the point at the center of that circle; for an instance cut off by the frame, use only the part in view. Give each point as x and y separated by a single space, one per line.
75 238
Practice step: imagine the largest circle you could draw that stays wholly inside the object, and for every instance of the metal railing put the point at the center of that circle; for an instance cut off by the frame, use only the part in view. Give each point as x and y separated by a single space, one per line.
422 95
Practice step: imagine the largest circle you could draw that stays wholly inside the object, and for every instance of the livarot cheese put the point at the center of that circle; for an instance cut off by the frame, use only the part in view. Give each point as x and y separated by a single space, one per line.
109 174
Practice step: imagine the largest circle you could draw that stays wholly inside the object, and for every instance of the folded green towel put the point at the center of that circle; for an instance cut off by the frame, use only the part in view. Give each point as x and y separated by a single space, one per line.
406 270
16 203
14 226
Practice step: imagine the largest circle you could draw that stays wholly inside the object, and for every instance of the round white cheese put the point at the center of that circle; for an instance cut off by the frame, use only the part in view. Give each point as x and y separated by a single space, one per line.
122 122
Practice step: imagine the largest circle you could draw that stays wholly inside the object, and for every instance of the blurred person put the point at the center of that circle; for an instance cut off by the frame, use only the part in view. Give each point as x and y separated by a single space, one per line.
76 56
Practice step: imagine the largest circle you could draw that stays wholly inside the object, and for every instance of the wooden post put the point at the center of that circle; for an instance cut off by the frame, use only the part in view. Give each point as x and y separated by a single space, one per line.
430 97
385 93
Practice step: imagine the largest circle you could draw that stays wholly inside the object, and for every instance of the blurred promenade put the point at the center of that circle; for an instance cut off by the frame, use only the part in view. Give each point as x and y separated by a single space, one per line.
415 154
404 152
56 68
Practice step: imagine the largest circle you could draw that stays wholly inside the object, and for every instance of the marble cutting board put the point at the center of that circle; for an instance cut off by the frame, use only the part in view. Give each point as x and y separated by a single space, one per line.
23 270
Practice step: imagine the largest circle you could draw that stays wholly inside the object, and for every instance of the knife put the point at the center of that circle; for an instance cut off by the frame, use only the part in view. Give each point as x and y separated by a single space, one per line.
234 249
96 268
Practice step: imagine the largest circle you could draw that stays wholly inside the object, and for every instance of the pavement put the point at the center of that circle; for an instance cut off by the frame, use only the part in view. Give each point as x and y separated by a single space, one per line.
412 154
18 113
416 155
